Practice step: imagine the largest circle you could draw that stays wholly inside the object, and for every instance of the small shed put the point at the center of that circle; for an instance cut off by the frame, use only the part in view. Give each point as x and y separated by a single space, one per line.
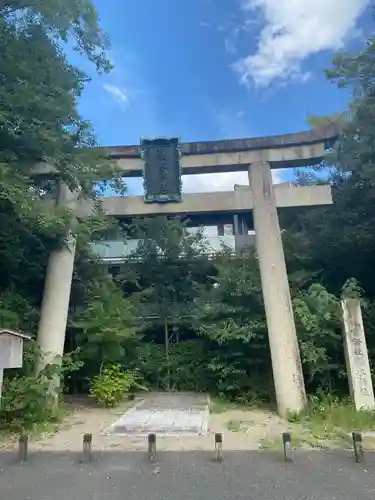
11 348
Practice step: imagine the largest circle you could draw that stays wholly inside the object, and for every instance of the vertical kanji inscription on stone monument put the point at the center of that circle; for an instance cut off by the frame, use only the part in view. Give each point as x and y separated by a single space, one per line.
356 356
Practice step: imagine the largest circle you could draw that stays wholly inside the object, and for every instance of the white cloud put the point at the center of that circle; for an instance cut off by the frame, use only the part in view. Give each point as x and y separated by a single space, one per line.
205 183
223 181
293 30
119 94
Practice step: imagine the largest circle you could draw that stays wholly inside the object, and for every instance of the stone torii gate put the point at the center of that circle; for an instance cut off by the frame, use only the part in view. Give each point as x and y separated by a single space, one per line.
256 156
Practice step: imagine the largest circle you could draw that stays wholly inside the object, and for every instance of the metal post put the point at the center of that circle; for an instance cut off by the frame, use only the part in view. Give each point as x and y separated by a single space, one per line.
287 444
218 447
23 445
86 448
358 446
152 447
1 382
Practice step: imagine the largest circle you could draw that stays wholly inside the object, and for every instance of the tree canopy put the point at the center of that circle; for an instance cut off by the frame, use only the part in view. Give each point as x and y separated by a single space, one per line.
40 124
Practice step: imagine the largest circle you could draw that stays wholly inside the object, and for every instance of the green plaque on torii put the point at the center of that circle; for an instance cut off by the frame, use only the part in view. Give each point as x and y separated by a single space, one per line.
161 170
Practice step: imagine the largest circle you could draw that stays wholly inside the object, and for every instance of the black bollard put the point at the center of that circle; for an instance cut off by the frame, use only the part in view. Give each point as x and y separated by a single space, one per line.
23 445
87 448
152 447
358 446
287 444
218 447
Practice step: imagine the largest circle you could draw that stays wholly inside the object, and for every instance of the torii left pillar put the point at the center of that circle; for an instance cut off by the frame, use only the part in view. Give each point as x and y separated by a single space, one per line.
56 296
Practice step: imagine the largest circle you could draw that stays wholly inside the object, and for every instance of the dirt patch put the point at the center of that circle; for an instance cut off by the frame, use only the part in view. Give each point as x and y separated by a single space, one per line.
241 429
249 429
82 417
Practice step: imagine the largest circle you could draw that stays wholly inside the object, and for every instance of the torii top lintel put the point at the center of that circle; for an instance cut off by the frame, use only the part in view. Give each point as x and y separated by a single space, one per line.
281 151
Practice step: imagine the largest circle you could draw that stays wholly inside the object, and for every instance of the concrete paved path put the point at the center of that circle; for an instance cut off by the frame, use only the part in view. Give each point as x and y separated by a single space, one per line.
257 475
166 414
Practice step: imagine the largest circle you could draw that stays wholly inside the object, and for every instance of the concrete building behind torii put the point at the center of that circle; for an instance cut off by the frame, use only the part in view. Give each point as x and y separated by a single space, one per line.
255 205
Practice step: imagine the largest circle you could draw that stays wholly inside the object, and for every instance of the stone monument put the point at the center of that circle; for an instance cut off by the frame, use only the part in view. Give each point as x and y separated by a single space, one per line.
356 356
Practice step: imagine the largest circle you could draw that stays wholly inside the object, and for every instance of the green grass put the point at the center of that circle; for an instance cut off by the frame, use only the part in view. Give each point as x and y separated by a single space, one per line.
234 425
221 405
239 425
329 421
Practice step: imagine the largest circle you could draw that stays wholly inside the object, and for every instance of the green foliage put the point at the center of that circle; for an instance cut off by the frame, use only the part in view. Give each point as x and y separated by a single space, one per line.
234 306
356 151
220 405
104 324
167 279
317 316
339 119
185 369
351 289
171 267
71 364
189 367
29 399
329 419
232 318
63 20
39 122
17 313
231 355
26 401
150 359
112 384
346 227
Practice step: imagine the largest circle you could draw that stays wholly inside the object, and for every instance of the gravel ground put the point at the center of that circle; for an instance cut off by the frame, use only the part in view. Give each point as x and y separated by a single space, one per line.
259 475
242 430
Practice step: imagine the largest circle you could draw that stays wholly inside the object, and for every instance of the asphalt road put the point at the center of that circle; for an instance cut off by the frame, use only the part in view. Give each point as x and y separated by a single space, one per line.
188 476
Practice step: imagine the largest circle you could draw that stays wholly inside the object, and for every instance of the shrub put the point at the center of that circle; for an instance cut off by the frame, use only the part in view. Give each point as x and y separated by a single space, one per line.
109 387
29 399
26 402
149 359
189 366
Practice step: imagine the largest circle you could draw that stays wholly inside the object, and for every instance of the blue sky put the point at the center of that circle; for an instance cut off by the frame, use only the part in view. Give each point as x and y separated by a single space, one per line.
216 69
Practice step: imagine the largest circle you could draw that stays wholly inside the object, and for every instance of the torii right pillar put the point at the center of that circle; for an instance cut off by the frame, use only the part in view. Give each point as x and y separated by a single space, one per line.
285 355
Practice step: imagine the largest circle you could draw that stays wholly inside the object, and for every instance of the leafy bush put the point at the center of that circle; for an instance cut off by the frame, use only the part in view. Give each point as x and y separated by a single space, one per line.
233 326
149 358
317 315
189 366
104 326
109 387
29 399
26 402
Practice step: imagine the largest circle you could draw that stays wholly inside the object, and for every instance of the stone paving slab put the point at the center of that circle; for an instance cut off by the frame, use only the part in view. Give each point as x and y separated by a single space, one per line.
165 414
258 475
